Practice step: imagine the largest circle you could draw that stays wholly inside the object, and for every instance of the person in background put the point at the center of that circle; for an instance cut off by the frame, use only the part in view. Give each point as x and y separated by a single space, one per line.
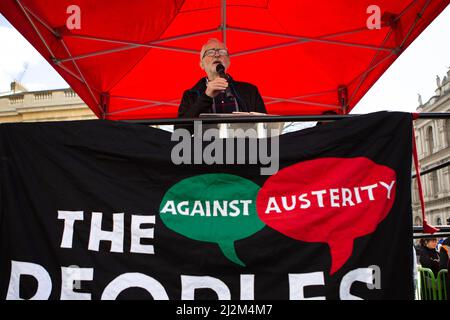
444 257
429 257
444 251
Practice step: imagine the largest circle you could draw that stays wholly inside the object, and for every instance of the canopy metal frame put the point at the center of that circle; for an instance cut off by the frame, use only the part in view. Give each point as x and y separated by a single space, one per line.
224 28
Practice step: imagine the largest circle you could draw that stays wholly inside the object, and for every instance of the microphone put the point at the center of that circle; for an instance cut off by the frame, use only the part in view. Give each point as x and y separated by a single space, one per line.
220 69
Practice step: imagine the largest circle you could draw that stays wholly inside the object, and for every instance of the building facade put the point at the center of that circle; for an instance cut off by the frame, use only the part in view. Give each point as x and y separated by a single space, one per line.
433 148
20 105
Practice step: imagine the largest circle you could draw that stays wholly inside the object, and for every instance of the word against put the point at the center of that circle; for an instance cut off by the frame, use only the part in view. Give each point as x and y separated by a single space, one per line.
334 197
114 236
246 150
214 208
298 284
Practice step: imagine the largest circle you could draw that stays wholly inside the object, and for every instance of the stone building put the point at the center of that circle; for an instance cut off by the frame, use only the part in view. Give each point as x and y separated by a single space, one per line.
21 105
433 148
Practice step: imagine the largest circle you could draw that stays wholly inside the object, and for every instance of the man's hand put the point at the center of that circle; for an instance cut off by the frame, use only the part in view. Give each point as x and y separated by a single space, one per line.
216 86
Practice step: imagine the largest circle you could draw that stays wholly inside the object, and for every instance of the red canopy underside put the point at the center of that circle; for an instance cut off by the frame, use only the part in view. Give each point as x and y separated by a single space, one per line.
134 59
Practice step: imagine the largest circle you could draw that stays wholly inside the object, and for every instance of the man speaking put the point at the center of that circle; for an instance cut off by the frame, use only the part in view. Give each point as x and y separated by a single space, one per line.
218 92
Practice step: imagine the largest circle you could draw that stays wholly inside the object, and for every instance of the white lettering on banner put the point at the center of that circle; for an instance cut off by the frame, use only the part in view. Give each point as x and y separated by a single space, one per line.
297 283
116 236
333 198
362 275
273 205
247 287
138 234
388 187
189 284
285 204
369 190
306 203
69 276
134 280
69 218
218 208
347 197
319 194
18 269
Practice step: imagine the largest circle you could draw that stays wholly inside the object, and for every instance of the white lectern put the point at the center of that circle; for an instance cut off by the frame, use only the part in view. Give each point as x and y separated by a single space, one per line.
243 129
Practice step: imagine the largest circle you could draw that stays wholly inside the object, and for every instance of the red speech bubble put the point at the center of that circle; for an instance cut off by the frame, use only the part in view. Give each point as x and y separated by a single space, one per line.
331 200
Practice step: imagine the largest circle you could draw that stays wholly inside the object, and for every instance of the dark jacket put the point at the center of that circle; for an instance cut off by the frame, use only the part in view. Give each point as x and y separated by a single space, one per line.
444 254
445 262
429 258
195 101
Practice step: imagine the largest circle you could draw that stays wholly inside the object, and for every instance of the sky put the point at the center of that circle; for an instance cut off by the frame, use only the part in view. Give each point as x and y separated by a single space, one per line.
15 54
413 72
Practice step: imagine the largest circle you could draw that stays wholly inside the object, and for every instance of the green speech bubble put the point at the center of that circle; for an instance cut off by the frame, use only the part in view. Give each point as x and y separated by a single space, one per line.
218 208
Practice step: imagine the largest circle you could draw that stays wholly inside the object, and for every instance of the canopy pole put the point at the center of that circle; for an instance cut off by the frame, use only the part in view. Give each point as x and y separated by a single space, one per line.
362 76
223 23
302 39
82 77
104 102
154 103
269 118
298 101
52 56
136 45
415 22
343 98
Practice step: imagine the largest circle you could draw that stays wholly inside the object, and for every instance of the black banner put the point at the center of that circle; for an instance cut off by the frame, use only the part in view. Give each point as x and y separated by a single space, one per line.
109 210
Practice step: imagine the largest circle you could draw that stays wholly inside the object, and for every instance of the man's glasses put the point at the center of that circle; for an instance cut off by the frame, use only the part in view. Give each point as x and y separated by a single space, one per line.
212 52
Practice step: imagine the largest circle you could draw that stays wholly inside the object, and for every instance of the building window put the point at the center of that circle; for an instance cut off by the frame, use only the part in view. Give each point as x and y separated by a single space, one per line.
447 131
417 221
42 96
434 184
430 140
415 193
438 221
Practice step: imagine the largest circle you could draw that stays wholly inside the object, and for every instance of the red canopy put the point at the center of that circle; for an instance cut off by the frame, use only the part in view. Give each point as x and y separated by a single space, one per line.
133 59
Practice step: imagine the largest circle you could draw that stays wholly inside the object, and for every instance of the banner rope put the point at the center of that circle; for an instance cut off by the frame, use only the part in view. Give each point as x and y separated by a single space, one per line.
427 228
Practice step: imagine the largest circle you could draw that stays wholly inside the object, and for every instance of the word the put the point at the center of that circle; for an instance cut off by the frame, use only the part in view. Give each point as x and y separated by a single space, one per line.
115 236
